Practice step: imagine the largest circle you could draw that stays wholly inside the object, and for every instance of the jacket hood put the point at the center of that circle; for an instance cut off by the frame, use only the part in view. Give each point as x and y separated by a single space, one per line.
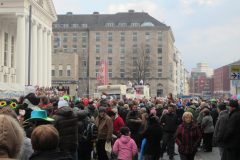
65 111
125 139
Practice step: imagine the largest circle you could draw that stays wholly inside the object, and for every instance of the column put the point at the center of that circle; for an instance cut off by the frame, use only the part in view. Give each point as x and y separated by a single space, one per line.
45 69
34 56
20 52
40 51
49 83
26 48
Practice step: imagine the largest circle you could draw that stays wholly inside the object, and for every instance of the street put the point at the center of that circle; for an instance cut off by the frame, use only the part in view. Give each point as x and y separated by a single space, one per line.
214 155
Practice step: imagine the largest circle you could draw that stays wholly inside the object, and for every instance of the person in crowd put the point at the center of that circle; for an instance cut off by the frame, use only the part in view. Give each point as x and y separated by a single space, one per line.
179 112
188 136
123 112
193 109
45 140
118 122
105 130
214 111
153 136
134 122
38 117
231 138
26 149
220 127
11 137
169 124
208 129
66 122
125 147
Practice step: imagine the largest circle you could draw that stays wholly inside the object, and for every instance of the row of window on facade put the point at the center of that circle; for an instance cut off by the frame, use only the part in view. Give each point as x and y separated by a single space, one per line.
8 50
98 37
66 26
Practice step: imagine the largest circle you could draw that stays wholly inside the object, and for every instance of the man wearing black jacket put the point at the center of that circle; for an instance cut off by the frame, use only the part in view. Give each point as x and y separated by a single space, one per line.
169 124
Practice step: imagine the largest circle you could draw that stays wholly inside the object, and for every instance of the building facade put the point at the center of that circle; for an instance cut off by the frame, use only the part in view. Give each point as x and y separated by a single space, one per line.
134 45
203 67
14 41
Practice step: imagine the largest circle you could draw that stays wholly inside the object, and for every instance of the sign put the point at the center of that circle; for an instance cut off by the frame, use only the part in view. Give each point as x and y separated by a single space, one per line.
235 72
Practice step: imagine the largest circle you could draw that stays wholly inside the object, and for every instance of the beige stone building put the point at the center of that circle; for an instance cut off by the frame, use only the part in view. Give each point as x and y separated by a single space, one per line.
134 45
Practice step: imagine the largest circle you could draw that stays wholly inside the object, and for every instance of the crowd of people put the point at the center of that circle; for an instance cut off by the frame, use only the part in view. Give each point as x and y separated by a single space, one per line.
62 128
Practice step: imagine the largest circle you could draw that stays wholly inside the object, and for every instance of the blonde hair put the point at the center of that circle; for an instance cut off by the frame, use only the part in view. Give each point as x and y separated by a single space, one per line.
186 114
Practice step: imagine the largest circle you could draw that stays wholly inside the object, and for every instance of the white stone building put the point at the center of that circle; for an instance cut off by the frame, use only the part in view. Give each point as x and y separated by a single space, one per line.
14 41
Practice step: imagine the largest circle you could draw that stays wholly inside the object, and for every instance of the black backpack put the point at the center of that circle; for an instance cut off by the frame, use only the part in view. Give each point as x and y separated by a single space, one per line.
90 131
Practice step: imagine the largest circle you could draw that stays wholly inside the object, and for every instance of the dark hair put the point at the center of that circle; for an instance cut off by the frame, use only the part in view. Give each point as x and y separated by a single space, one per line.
233 103
124 131
45 138
222 106
206 112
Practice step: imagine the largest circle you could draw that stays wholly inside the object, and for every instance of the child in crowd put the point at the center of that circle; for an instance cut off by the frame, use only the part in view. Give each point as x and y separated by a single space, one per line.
125 147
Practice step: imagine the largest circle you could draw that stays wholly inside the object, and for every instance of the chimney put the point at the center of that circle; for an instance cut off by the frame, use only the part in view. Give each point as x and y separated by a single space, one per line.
96 13
131 11
69 13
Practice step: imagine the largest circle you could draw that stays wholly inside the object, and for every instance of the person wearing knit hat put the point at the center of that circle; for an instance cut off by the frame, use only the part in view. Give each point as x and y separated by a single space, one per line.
11 137
62 103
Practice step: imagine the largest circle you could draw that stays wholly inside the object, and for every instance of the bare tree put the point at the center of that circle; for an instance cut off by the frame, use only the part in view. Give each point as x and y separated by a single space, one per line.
141 63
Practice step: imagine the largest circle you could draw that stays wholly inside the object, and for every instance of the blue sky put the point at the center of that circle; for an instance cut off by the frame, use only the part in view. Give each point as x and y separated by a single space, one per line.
204 30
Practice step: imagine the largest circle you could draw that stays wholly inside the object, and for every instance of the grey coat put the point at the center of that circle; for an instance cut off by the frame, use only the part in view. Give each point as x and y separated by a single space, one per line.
207 124
220 128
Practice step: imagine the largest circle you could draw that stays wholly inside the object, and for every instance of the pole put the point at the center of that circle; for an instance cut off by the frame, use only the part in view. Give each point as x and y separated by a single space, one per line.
29 47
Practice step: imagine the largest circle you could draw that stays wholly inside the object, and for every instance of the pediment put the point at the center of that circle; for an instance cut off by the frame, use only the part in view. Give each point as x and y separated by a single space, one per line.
48 6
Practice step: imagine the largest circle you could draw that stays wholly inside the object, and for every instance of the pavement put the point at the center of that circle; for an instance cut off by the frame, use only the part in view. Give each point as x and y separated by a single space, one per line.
214 155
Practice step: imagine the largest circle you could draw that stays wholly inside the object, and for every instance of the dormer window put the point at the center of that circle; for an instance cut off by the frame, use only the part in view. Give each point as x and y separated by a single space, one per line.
84 25
135 25
122 24
147 24
109 24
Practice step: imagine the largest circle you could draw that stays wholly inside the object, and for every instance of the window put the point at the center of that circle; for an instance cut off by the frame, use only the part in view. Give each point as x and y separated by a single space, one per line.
135 36
12 51
110 73
84 37
74 25
68 70
109 48
147 73
159 61
65 48
122 36
84 25
97 61
5 49
122 61
75 37
159 73
122 24
97 36
135 50
84 63
135 25
97 73
74 48
84 45
110 38
147 48
122 73
65 37
60 70
122 49
5 78
159 50
109 61
147 36
160 36
97 48
160 93
109 24
53 70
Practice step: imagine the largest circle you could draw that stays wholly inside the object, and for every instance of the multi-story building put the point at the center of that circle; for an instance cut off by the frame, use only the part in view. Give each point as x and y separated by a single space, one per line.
203 67
14 42
186 83
201 85
222 83
134 45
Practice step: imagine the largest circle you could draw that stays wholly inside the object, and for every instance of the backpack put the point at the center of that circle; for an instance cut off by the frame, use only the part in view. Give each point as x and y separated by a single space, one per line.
90 131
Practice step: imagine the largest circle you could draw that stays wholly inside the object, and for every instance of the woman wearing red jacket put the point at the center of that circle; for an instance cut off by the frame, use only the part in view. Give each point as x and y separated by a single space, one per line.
188 137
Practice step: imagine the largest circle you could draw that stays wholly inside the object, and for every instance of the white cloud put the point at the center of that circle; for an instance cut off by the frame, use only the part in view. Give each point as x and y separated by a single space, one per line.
207 2
142 5
187 6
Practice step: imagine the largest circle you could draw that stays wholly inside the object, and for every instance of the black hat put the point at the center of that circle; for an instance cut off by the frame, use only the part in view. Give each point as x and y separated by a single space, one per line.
233 103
